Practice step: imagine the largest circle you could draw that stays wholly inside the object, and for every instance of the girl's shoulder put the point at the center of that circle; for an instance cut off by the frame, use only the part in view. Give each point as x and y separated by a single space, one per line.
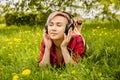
76 37
74 41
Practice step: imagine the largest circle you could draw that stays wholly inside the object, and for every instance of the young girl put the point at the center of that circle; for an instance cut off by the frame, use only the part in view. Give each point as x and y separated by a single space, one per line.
57 47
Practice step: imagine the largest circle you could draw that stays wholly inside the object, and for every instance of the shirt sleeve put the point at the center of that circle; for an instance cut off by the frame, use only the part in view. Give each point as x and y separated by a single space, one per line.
76 45
79 47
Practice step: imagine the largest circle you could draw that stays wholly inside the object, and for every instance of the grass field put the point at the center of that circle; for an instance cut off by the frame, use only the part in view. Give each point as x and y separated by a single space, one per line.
20 47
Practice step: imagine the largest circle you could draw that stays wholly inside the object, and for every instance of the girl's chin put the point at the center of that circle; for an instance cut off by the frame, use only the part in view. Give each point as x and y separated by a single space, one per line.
54 38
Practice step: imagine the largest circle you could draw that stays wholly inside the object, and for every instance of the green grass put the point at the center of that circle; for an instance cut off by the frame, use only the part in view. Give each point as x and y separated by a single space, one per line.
20 48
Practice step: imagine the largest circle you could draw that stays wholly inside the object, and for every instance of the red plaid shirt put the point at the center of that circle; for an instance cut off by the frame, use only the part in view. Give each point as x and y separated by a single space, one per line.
75 48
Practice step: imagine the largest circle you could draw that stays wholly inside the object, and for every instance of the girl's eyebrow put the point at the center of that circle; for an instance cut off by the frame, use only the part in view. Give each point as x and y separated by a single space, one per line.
55 22
50 23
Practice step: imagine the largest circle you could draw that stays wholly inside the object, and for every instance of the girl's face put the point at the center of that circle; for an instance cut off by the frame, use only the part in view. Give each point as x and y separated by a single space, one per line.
56 27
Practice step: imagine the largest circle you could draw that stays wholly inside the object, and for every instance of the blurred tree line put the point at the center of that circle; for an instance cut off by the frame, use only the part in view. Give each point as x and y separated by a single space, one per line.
26 11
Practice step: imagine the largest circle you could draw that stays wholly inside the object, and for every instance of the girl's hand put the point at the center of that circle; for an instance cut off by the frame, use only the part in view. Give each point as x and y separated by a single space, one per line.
47 40
67 38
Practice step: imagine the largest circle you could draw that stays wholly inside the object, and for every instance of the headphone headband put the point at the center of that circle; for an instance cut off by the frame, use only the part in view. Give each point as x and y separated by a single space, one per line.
64 14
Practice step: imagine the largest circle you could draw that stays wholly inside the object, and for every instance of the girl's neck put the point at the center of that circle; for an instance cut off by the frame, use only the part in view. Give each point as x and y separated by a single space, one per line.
57 43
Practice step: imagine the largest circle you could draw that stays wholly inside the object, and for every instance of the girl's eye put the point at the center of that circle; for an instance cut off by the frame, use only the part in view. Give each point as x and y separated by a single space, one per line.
50 24
59 25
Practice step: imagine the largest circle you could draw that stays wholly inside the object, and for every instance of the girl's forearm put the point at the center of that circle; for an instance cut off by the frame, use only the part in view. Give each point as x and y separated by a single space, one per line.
66 56
46 58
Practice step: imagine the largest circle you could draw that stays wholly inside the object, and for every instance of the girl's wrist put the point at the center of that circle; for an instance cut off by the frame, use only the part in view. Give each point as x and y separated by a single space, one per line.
47 48
63 47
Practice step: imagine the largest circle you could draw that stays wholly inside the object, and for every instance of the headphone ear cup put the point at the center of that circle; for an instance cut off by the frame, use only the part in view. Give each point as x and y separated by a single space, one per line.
46 28
72 25
68 26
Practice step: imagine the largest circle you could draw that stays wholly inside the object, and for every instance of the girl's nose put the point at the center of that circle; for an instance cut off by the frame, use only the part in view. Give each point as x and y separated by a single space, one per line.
54 27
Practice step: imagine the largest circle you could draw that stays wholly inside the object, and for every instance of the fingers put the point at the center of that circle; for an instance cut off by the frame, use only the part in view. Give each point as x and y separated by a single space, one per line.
45 35
67 38
44 32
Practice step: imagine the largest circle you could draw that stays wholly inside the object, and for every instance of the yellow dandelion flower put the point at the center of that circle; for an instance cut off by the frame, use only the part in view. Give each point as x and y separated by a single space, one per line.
105 33
104 28
10 54
73 71
3 47
15 77
1 69
102 31
93 30
27 32
10 43
115 30
98 27
61 75
29 43
26 58
26 72
100 34
94 34
38 34
99 74
17 40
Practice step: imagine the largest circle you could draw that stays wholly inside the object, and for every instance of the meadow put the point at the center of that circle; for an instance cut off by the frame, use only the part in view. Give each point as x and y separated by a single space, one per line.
20 48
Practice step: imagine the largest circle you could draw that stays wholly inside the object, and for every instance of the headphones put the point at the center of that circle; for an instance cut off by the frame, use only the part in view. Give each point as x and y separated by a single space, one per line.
68 26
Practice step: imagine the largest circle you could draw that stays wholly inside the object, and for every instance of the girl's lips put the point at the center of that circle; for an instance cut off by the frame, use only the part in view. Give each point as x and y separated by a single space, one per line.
53 34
